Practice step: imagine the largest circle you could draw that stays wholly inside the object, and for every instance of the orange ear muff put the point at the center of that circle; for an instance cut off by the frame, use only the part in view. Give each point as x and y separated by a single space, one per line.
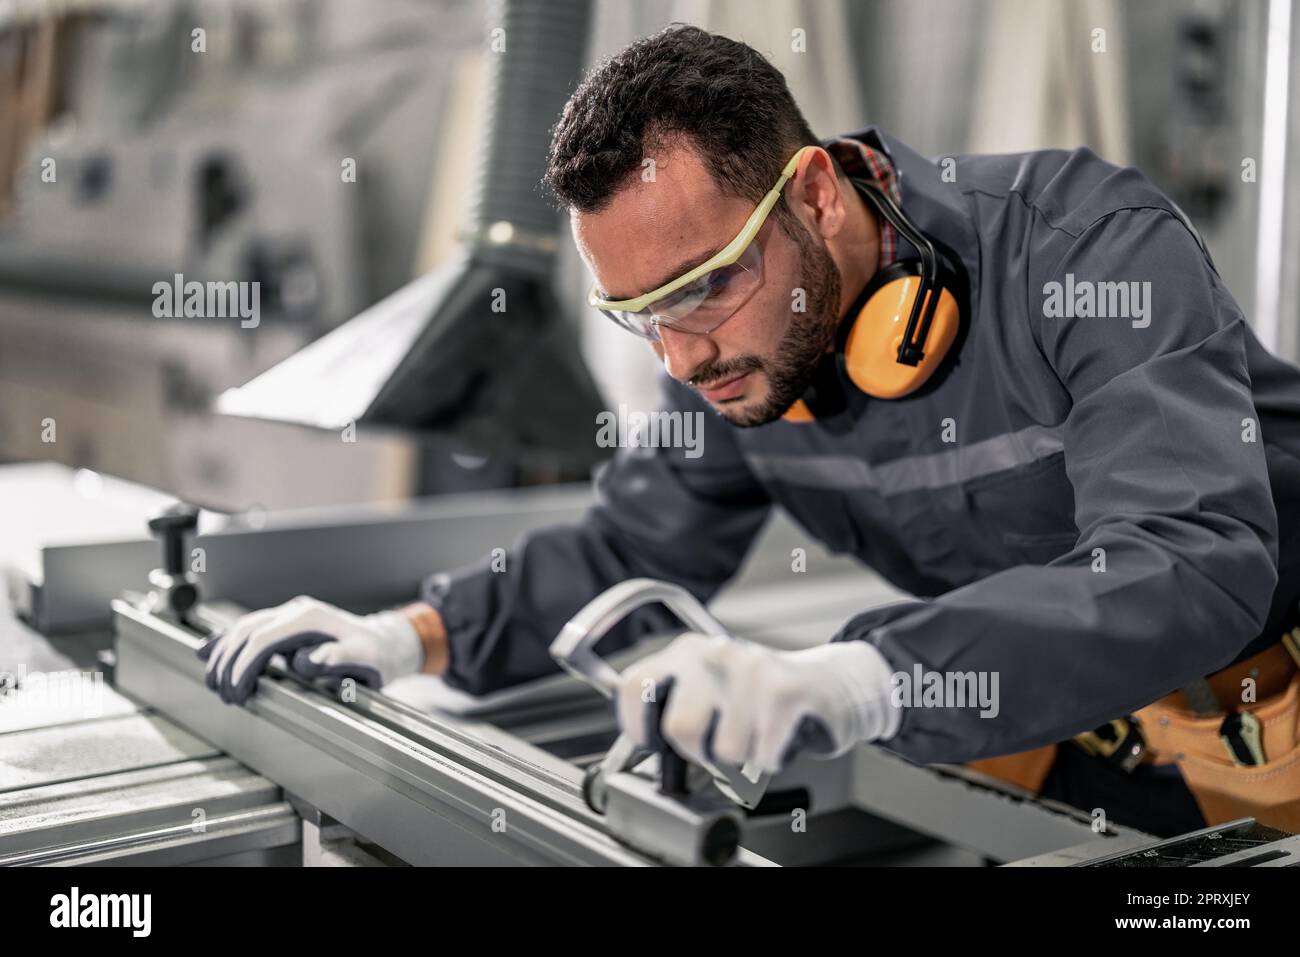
869 341
876 333
799 412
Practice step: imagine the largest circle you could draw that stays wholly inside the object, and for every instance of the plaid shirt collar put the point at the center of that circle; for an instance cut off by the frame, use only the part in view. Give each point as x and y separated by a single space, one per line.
858 159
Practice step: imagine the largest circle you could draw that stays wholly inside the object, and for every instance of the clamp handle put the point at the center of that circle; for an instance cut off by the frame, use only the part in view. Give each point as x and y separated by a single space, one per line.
574 650
574 647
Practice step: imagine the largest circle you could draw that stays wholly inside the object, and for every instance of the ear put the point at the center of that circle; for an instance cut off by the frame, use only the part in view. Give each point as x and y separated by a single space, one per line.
815 194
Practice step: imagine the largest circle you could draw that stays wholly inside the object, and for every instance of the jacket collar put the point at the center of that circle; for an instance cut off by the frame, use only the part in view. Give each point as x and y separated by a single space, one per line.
937 208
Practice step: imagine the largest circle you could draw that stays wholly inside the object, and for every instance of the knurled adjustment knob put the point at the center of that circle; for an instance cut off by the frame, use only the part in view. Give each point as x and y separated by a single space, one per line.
172 527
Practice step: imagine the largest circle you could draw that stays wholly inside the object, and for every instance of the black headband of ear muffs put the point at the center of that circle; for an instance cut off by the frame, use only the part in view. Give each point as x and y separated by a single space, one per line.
918 324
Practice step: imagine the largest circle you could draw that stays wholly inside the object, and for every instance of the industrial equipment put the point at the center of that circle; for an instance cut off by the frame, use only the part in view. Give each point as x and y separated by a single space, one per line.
156 769
423 775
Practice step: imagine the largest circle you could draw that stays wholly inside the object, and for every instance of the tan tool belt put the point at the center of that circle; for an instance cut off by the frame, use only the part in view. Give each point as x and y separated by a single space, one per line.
1252 770
1024 769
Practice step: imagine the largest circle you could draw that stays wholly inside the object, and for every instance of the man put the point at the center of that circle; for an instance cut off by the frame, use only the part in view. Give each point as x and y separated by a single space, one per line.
1087 508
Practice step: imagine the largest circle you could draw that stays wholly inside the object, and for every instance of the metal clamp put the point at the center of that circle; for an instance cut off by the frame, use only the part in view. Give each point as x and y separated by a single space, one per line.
175 590
574 649
671 820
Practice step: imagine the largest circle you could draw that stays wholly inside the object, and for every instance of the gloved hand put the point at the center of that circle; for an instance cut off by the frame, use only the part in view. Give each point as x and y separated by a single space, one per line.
319 640
736 702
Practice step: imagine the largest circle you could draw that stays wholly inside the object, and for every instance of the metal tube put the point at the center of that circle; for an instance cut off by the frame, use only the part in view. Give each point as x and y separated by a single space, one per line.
428 793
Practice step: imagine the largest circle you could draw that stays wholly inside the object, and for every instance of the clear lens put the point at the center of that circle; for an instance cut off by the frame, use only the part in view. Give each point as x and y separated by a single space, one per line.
703 305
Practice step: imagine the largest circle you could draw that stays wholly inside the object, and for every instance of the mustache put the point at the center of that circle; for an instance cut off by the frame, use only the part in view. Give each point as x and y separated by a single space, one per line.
723 371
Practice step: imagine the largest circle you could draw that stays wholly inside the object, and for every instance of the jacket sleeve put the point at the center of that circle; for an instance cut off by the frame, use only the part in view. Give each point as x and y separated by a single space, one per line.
687 515
1176 560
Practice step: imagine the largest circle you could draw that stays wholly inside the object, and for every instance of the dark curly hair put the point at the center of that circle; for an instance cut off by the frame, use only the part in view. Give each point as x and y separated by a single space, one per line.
720 94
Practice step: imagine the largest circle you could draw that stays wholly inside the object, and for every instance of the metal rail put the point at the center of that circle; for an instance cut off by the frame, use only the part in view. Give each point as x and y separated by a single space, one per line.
970 810
428 791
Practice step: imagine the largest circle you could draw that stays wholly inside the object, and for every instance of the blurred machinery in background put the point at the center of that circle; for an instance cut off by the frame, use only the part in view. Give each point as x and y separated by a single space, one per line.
192 169
128 157
286 144
479 348
1193 152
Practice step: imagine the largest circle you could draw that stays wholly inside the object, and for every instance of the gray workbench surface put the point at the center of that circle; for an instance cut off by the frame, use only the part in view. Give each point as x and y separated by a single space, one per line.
22 645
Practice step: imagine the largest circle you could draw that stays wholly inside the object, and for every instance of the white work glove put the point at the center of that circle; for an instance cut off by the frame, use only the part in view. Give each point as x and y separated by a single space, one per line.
317 640
736 702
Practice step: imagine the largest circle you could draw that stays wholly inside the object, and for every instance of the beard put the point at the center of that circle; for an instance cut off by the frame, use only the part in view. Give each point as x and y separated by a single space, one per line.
808 336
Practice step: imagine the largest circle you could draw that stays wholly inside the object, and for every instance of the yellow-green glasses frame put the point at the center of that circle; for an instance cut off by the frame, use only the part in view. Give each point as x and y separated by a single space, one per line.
725 257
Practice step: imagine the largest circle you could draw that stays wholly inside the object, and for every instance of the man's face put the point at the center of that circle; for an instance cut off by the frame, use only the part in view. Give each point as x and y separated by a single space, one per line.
760 360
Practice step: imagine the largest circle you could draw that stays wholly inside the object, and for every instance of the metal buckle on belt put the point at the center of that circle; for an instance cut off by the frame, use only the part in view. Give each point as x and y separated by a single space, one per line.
1242 735
1241 732
1119 742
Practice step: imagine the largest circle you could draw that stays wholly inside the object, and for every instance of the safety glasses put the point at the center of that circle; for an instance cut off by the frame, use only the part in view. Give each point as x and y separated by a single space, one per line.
701 300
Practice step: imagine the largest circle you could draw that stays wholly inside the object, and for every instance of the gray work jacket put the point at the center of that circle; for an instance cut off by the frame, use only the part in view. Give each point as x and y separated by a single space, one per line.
1087 506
